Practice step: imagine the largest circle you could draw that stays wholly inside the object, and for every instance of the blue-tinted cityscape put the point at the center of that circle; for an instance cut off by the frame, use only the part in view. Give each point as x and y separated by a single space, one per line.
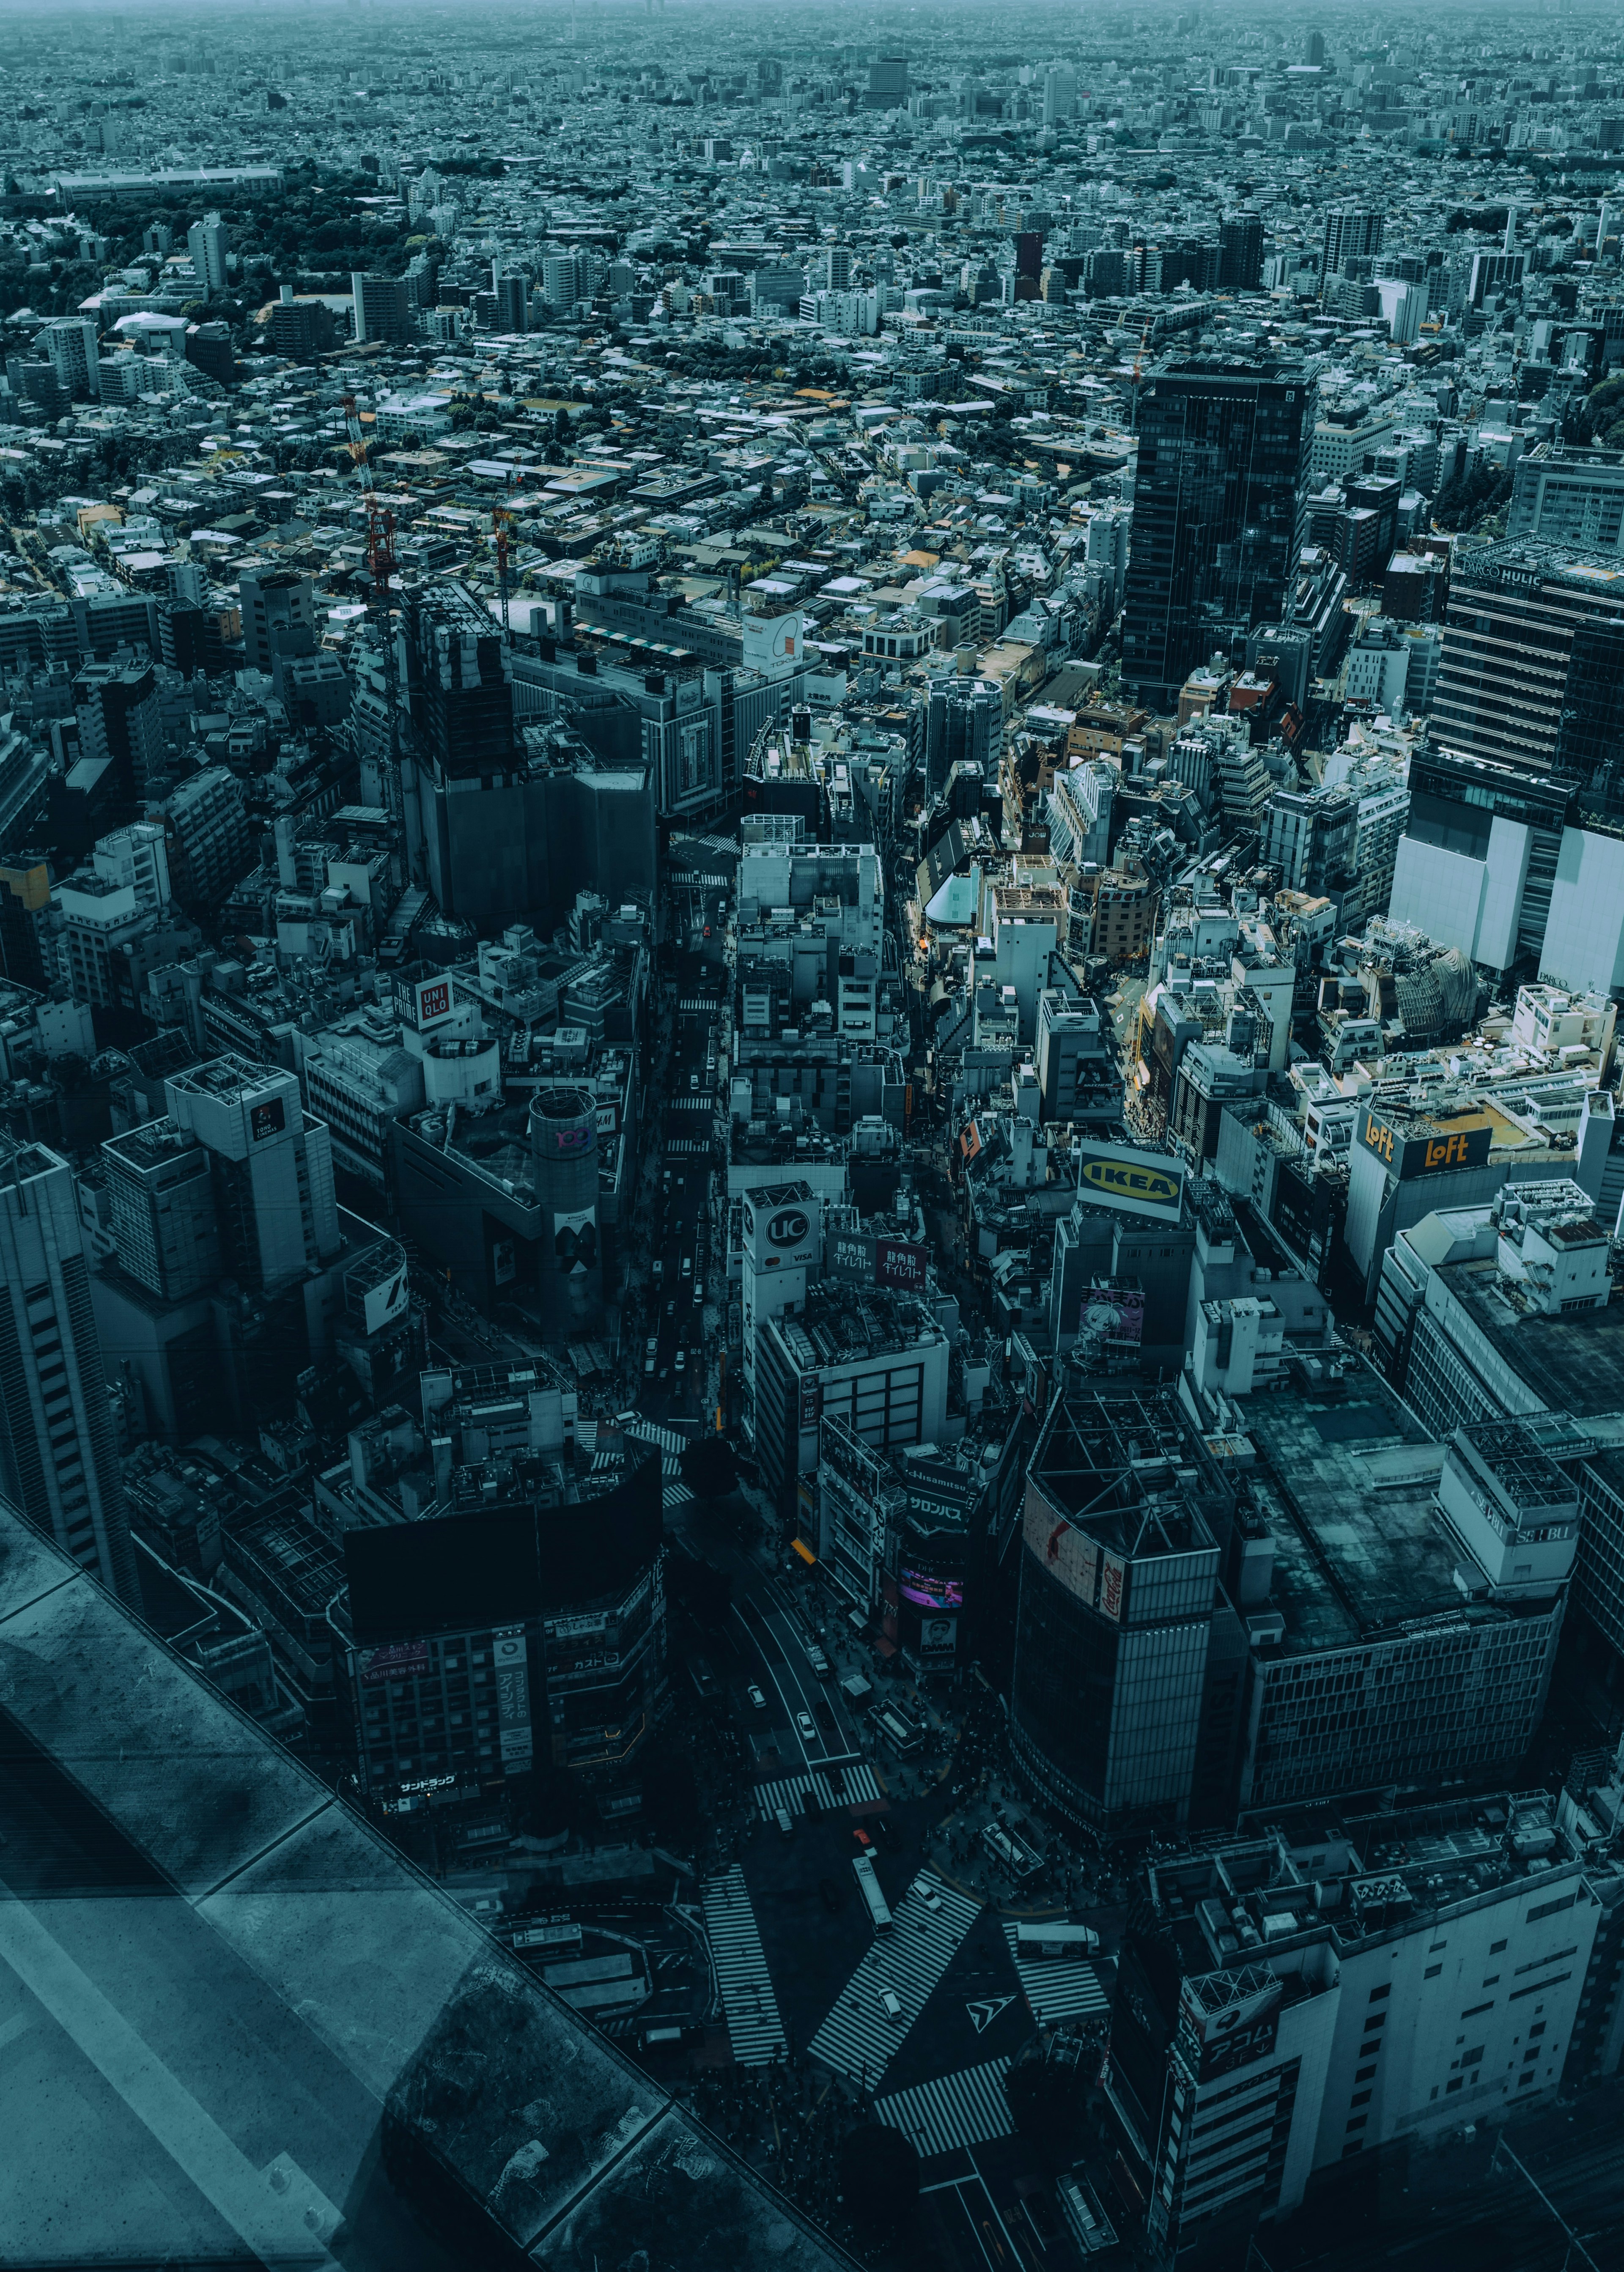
811 925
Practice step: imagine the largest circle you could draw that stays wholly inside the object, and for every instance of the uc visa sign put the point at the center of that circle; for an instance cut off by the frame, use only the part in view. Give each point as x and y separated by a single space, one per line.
1440 1151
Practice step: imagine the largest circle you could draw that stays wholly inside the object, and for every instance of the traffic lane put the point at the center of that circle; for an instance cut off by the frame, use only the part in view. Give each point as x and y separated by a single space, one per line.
815 1697
965 2232
815 1750
794 1642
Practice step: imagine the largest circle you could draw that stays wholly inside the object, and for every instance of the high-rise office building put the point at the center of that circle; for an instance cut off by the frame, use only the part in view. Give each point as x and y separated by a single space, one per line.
1119 1581
512 299
70 344
161 1195
1218 503
58 1459
964 722
272 1167
383 307
278 613
1351 234
1527 658
209 241
887 83
1240 251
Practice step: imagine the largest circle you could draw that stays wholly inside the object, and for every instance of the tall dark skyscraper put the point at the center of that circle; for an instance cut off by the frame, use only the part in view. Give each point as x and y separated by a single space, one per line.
1223 449
58 1459
1240 251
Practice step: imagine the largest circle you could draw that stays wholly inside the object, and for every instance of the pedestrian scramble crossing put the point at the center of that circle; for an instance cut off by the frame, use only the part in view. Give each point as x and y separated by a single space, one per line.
1054 1988
952 2110
754 2028
650 1431
860 1785
909 1957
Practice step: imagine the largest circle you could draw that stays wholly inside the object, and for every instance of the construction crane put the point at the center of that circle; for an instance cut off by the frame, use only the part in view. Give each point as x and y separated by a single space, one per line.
502 539
1139 364
381 563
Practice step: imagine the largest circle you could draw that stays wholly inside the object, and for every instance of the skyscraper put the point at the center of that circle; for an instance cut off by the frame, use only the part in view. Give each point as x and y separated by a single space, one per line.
1240 251
272 1167
1223 449
383 307
1350 233
59 1461
161 1197
209 241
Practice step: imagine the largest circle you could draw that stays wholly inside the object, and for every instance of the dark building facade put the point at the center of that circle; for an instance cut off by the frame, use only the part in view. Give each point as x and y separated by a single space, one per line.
1218 501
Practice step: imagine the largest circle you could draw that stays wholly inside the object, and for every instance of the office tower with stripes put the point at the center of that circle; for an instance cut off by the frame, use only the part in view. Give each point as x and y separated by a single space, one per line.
58 1459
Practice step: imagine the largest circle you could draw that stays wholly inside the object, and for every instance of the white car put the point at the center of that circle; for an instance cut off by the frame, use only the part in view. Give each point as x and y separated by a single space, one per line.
890 2003
803 1722
756 1697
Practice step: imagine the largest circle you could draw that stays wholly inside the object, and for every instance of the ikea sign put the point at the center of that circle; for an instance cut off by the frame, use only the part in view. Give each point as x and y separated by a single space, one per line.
1135 1183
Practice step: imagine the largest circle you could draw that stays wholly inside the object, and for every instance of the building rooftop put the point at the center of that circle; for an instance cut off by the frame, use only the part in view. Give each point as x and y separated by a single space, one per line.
1572 1364
1346 1476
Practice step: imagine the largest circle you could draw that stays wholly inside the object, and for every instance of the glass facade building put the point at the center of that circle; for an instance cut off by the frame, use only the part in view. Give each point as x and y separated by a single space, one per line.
1119 1573
1218 502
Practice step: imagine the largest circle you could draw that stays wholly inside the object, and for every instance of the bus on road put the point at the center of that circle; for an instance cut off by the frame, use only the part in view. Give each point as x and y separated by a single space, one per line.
868 1886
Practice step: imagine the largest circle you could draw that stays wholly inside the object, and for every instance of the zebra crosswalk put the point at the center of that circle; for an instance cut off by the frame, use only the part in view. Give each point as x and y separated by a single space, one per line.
676 1495
859 1785
965 2109
693 1104
1054 1988
685 1148
650 1431
754 2028
909 1957
697 1003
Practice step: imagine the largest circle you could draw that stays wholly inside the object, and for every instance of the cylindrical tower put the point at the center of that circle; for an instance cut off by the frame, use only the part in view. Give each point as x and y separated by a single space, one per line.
563 1147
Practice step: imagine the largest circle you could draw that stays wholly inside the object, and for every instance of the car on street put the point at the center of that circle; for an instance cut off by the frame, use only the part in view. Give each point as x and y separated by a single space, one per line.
890 2003
682 1360
670 1307
805 1727
756 1697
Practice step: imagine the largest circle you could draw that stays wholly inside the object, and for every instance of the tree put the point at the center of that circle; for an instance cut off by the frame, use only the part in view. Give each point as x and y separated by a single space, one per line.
880 2182
1047 2102
708 1467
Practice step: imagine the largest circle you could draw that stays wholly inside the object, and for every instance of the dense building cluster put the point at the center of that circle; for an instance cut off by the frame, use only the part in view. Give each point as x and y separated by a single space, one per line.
812 912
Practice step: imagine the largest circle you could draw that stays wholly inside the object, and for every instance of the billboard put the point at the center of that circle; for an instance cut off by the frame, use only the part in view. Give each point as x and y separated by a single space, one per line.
899 1266
386 1300
930 1592
1113 1575
1117 1314
811 1400
851 1257
512 1676
1065 1552
430 1001
268 1118
969 1141
608 1118
575 1239
783 1227
1135 1183
404 1662
938 1638
1241 2029
772 638
1464 1144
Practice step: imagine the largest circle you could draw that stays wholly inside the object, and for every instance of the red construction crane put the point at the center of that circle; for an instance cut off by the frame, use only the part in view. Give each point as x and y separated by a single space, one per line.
381 563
